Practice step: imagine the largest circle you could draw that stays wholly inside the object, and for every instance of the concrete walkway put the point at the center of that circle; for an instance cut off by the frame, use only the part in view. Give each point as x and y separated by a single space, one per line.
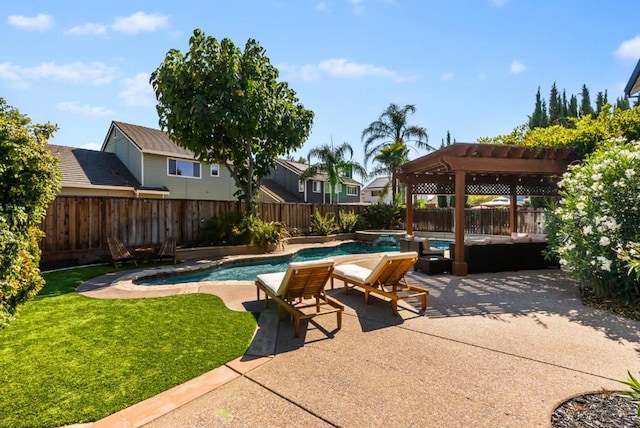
491 350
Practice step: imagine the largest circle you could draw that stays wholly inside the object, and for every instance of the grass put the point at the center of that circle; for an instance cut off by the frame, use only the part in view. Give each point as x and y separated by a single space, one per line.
69 359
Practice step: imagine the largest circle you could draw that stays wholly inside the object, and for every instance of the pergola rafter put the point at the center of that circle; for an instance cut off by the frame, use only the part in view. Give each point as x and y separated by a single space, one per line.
483 169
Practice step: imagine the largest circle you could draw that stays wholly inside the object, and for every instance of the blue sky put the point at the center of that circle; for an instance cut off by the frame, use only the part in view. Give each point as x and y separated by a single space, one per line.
471 67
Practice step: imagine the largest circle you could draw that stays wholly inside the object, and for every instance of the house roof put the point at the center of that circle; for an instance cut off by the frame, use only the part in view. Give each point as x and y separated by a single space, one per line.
298 168
279 192
633 85
378 183
92 167
150 140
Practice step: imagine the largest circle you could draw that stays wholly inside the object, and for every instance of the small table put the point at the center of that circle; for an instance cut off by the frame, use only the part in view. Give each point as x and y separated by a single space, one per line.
432 265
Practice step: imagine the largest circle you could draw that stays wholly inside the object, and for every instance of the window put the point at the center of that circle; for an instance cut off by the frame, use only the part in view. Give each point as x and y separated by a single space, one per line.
376 193
316 187
352 191
301 186
215 170
183 168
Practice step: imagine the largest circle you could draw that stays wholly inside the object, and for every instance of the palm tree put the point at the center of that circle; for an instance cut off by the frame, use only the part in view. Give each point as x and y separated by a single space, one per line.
390 159
333 163
392 128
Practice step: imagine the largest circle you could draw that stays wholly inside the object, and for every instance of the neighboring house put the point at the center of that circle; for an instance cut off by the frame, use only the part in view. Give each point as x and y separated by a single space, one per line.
374 192
94 173
283 185
633 85
157 162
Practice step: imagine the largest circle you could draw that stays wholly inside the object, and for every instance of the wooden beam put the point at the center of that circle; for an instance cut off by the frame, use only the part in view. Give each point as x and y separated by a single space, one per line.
505 165
459 266
409 216
513 209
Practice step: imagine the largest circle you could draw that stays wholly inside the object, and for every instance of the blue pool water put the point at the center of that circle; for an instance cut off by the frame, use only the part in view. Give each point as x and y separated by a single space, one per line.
439 243
246 270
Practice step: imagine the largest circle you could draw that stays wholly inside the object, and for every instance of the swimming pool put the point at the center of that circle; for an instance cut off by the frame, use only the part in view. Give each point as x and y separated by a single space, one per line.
245 270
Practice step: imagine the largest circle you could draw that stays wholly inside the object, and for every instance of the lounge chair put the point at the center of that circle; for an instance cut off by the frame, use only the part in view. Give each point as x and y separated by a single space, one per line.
302 280
167 250
119 252
386 279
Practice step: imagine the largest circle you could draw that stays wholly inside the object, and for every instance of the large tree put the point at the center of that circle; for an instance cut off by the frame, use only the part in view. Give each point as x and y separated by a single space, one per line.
29 181
333 162
227 106
392 127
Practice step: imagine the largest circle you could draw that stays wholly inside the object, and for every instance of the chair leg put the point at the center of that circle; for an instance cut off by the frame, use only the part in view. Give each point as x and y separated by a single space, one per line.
339 315
394 307
296 326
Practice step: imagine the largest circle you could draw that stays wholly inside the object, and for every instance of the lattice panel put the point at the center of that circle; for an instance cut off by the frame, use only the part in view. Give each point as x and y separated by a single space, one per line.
434 189
538 190
487 189
543 189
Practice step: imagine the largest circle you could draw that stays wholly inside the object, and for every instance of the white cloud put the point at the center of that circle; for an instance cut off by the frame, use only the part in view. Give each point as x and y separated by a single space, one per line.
89 28
138 91
83 110
629 49
140 22
338 68
40 22
446 76
517 67
322 7
94 73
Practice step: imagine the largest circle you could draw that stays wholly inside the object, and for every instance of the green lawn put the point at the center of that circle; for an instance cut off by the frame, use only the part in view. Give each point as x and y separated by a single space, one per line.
70 359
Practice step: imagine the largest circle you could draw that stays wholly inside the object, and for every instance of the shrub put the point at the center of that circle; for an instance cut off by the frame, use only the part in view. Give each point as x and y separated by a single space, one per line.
633 394
265 234
232 228
29 181
382 216
323 224
348 221
595 228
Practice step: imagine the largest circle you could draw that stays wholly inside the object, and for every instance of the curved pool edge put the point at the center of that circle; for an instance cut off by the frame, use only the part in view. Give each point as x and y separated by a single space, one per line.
126 282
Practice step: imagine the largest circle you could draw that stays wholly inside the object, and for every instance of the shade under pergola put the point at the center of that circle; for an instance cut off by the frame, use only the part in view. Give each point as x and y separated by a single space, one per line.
483 169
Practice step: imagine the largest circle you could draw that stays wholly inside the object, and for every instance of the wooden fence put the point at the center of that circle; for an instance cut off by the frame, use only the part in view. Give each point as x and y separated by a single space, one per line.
81 225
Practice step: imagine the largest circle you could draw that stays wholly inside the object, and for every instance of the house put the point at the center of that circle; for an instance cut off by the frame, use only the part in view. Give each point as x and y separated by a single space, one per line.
379 190
95 173
283 184
157 162
633 85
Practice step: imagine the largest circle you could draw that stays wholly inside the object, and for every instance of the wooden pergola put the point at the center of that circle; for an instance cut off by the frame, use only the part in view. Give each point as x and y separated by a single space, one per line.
483 169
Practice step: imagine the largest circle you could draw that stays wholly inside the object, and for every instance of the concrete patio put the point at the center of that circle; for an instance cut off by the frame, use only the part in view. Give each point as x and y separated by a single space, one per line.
491 350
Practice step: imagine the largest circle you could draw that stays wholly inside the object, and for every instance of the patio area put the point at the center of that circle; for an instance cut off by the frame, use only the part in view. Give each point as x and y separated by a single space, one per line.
490 350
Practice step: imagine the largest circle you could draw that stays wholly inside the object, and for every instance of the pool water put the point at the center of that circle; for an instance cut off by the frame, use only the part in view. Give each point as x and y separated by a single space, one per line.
247 270
439 243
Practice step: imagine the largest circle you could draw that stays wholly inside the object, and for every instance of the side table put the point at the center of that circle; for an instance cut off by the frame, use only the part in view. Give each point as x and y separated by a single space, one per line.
432 265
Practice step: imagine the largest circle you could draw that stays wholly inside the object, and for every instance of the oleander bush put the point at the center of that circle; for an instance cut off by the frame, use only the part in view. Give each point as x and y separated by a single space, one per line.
594 229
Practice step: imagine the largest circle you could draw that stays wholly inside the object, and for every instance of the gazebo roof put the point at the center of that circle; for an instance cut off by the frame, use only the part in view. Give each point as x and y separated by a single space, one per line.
489 169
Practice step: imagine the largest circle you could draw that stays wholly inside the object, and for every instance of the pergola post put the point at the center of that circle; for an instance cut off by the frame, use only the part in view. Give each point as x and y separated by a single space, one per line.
459 266
409 216
513 209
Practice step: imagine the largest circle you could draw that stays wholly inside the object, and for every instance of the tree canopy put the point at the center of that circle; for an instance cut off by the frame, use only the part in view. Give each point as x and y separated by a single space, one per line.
227 106
29 181
583 135
392 128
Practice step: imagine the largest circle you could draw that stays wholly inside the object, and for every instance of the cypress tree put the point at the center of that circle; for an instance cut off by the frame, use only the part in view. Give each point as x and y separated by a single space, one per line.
572 110
622 103
448 138
599 102
585 105
565 107
537 119
555 107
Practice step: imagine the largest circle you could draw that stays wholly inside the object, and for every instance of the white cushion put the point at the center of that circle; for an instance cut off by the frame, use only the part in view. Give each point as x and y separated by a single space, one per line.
277 282
272 281
353 272
538 237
